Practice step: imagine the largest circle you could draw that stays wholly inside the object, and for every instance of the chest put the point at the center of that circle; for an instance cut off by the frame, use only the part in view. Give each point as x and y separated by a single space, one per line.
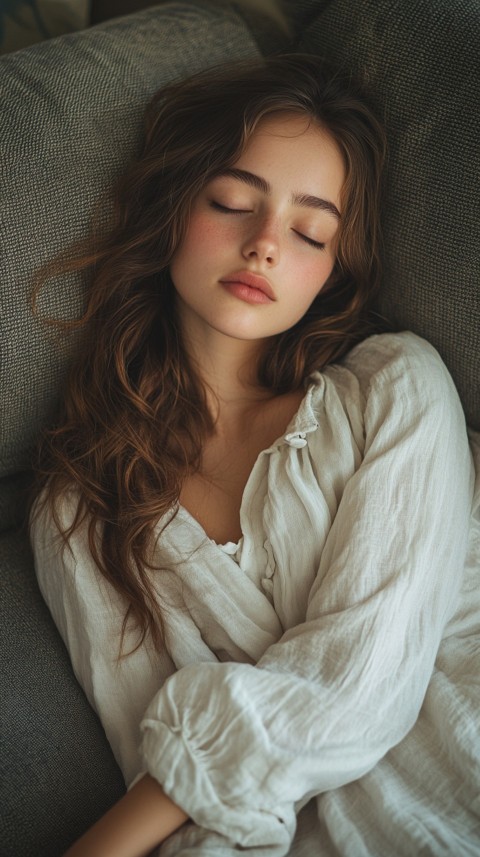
214 495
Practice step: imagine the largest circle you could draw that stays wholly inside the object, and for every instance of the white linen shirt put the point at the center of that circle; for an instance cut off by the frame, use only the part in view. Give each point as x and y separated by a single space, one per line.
332 654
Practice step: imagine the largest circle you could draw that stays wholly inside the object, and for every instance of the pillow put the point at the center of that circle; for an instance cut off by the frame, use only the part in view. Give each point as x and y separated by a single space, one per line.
24 22
420 65
301 13
72 111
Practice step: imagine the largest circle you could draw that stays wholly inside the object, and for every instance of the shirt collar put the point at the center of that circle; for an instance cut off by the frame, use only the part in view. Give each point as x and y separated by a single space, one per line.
305 420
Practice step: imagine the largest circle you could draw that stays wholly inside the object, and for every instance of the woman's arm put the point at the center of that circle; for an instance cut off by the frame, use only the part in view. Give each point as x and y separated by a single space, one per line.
89 615
138 822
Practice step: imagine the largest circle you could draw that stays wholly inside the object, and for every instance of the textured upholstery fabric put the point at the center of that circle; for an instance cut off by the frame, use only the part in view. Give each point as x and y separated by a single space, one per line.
58 773
268 21
24 22
71 111
420 63
14 495
301 13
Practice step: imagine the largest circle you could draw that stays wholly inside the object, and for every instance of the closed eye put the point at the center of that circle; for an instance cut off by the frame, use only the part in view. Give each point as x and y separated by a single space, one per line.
218 207
319 245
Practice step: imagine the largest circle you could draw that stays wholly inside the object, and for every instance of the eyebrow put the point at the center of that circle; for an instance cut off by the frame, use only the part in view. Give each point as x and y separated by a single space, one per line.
304 199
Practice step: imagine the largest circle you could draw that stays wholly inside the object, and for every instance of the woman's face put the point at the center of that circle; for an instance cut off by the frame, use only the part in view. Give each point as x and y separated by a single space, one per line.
261 240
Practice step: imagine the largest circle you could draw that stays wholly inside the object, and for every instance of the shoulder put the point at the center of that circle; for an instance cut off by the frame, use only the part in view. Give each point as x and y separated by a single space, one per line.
59 540
408 390
67 574
399 366
52 518
397 356
385 359
397 379
387 356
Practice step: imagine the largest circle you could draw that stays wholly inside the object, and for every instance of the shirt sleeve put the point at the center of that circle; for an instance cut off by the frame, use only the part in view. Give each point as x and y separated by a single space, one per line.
89 616
241 748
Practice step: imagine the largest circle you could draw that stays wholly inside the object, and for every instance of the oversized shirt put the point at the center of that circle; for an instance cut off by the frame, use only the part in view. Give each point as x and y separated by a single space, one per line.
319 691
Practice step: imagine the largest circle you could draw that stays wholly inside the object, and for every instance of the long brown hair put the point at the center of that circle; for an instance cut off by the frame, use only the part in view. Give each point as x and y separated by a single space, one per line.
135 417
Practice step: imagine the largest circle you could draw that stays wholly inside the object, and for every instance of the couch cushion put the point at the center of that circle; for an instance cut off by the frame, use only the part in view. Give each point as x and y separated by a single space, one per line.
301 13
58 773
24 22
420 64
15 493
71 117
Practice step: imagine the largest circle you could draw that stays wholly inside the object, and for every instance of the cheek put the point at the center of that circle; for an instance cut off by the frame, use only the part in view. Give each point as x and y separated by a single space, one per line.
199 246
316 274
204 237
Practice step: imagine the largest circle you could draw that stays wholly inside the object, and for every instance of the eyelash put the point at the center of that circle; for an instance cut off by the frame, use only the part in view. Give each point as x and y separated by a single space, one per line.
318 245
224 208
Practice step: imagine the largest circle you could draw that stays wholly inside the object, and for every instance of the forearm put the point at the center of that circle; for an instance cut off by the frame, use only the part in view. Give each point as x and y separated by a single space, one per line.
142 819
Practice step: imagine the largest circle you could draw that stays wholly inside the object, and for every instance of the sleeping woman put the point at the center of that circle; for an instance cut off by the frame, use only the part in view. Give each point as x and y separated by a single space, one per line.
254 523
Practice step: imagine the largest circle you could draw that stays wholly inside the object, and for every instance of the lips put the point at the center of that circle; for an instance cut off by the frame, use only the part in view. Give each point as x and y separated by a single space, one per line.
254 281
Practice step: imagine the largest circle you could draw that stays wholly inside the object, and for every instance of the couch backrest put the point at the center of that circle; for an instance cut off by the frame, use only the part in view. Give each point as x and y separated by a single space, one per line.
70 118
420 63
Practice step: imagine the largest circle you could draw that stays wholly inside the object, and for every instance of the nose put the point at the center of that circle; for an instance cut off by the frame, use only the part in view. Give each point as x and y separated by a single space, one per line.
262 243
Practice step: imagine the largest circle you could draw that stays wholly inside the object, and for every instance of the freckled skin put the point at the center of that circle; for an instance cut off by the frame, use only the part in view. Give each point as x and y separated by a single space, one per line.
262 233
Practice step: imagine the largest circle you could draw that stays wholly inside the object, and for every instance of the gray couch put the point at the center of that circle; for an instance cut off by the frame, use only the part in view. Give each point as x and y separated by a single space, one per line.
71 109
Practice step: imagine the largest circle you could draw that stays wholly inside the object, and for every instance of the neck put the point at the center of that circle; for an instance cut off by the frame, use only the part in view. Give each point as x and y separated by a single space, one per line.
228 369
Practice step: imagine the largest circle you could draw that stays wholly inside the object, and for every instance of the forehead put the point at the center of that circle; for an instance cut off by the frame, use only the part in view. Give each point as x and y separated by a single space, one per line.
296 153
